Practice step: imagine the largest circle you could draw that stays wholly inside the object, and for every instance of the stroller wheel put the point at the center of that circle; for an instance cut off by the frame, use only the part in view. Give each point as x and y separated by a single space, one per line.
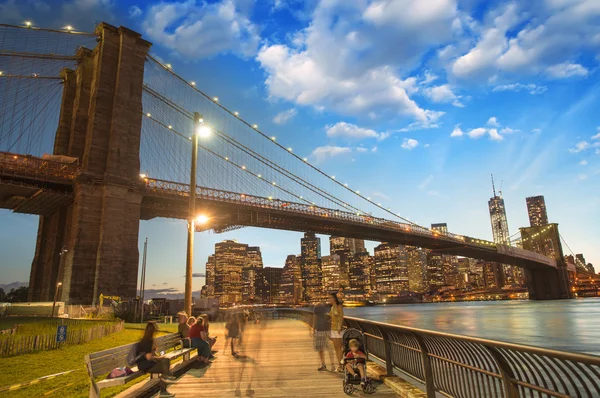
348 388
369 388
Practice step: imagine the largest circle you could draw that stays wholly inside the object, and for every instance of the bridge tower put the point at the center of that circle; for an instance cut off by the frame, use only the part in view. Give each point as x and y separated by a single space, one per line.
547 283
91 245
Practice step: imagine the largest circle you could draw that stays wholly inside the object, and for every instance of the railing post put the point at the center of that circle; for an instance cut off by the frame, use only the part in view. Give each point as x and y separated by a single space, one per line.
510 390
427 370
389 365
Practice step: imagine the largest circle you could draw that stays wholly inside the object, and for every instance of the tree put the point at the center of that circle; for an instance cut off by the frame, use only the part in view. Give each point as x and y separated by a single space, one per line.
2 296
17 295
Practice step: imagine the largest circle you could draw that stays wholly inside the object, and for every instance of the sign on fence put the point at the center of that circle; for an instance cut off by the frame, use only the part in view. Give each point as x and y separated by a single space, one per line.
61 333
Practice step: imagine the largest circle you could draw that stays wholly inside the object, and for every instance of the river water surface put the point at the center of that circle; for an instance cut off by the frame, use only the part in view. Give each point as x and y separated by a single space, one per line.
569 325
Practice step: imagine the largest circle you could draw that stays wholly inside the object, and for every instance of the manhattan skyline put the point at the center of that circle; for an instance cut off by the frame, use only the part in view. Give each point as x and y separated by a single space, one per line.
427 155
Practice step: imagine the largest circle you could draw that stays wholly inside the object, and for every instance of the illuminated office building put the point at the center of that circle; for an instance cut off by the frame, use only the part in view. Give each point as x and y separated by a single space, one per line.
416 260
210 276
536 208
501 235
331 272
391 272
252 283
310 266
354 246
290 287
361 270
230 259
271 284
435 274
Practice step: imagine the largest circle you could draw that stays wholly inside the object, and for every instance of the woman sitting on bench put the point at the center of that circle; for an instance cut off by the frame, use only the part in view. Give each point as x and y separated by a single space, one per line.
147 361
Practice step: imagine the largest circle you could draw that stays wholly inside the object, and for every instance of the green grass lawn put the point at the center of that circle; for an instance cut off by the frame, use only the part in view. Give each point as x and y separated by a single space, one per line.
27 367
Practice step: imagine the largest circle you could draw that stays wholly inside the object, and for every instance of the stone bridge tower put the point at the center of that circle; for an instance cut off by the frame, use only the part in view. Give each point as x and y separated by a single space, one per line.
91 245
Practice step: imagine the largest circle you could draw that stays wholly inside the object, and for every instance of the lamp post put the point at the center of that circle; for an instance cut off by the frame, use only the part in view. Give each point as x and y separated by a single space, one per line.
58 285
200 130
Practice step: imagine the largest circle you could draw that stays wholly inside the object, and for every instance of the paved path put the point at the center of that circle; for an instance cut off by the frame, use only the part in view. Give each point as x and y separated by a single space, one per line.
276 360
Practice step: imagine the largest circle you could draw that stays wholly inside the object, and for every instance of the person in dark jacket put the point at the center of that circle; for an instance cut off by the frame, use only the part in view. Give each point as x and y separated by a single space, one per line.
147 361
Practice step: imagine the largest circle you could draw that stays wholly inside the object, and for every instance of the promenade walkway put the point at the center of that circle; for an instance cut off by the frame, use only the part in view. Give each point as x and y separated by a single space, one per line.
276 360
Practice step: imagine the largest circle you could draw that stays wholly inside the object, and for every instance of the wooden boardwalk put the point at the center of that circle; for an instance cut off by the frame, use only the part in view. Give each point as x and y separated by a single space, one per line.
276 360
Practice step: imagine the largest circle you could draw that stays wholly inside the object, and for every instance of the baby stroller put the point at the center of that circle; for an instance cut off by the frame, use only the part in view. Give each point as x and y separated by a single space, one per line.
349 380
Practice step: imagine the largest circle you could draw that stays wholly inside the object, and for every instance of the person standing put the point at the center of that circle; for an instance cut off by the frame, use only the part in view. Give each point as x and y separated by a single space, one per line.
233 326
321 332
337 325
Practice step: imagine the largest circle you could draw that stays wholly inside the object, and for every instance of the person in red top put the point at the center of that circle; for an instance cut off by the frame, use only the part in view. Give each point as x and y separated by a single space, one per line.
197 336
357 362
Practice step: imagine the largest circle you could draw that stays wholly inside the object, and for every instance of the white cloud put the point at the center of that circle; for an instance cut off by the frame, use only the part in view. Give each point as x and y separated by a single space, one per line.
428 78
566 69
582 177
410 143
583 163
597 136
477 132
457 132
580 146
425 183
527 38
442 94
494 136
284 116
362 149
533 89
351 131
536 131
584 145
348 59
197 29
493 122
134 11
508 130
323 153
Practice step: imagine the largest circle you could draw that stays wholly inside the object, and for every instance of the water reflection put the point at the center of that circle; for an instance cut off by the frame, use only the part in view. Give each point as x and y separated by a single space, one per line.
571 325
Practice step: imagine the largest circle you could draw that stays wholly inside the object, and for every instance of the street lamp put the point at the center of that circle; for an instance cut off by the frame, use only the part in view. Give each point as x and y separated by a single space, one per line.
58 285
200 130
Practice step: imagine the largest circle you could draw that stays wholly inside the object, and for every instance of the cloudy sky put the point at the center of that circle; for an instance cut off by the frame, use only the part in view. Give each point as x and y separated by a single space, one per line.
415 103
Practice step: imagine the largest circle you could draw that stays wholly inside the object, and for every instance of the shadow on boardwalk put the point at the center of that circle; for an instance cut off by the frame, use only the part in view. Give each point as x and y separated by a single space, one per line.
276 360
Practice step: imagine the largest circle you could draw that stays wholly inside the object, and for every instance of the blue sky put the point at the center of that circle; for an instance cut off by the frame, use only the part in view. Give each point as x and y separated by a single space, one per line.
414 103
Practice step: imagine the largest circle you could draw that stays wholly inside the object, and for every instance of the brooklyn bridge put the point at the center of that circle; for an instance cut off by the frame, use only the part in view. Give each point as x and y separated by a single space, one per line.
96 135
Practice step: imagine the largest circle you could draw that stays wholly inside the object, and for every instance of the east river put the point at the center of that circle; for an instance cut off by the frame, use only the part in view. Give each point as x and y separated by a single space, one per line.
569 325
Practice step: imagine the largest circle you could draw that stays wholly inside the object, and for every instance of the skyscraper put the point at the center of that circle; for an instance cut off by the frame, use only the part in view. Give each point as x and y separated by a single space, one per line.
435 271
499 228
536 208
391 272
230 258
361 267
440 227
337 244
416 260
290 287
252 275
271 284
330 266
210 276
310 265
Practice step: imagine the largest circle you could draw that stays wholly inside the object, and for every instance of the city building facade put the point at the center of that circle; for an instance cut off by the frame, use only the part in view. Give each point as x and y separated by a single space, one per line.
310 265
230 259
391 271
536 209
416 261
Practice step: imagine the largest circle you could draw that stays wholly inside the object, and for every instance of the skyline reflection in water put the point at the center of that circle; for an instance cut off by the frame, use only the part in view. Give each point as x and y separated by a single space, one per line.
568 325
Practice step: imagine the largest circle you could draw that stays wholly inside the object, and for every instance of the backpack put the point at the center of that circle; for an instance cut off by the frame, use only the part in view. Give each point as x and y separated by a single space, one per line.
133 356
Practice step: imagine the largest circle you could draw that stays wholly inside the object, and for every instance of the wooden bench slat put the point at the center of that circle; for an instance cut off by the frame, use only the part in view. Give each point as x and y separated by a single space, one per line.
119 380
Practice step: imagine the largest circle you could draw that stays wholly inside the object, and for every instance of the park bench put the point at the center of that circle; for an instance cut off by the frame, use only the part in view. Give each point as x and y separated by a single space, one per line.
101 363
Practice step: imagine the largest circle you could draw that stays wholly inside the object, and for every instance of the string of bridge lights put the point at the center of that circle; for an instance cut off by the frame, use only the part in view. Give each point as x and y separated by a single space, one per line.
192 84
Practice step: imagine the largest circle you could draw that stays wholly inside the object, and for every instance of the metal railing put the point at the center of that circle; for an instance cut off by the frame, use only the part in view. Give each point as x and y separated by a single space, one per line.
26 166
470 367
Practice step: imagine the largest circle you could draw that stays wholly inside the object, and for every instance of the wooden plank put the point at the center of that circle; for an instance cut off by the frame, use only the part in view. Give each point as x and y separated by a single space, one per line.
276 360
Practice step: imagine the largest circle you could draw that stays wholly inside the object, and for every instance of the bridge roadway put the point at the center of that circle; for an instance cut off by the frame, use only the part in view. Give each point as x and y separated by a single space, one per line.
276 360
34 185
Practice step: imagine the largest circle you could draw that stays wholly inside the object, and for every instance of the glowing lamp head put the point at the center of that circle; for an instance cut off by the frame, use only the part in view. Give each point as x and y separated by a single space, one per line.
28 24
68 28
255 126
168 66
193 83
236 113
203 131
216 99
202 219
143 175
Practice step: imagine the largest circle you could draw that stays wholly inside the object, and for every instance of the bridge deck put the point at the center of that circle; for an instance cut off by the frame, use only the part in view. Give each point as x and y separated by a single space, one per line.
276 360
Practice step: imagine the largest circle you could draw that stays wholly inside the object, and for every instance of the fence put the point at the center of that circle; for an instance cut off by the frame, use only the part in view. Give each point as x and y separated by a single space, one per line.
468 367
77 333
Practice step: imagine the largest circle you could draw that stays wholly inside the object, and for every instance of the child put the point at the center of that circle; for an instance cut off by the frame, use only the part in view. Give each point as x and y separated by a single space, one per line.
357 361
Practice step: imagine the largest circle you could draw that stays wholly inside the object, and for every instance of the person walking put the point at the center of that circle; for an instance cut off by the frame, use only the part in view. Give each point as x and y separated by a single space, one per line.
233 326
337 325
321 330
148 362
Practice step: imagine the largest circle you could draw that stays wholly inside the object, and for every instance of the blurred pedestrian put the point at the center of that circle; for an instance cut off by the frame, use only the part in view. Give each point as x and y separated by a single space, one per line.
321 332
337 325
233 326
